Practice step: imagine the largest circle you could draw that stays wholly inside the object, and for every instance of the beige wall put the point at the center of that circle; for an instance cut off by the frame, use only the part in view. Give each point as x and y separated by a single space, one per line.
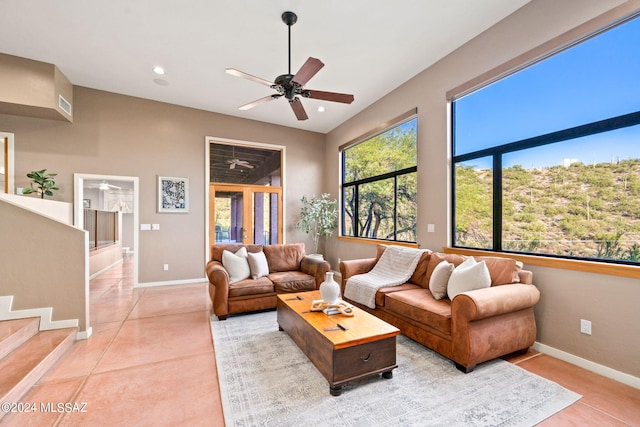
119 135
31 88
609 302
43 264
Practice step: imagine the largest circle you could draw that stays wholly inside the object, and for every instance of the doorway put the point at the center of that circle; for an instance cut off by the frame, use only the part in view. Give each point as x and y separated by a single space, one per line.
114 184
247 214
245 192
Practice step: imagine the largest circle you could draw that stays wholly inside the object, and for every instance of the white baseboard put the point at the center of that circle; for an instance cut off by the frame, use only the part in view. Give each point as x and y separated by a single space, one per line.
97 273
171 282
605 371
44 314
83 335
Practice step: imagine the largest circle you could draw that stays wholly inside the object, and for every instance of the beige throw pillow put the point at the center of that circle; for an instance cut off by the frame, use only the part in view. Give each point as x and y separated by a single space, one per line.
258 264
236 264
439 279
468 276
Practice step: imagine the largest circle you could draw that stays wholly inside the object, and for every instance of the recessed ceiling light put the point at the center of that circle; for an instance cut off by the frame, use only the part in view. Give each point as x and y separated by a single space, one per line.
158 70
321 109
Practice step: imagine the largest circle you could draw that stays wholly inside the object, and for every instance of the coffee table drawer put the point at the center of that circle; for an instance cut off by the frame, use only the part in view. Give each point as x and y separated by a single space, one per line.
363 359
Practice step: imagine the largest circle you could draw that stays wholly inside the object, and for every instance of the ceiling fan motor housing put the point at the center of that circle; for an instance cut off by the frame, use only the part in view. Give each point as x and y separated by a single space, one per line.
285 86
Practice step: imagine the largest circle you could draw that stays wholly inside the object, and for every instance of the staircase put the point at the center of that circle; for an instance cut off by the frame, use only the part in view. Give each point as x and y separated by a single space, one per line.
26 354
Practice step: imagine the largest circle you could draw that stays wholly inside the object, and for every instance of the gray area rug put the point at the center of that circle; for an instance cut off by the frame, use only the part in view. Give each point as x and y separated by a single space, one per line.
265 380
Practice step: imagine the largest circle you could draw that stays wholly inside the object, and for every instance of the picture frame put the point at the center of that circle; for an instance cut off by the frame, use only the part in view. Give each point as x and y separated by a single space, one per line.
86 203
173 194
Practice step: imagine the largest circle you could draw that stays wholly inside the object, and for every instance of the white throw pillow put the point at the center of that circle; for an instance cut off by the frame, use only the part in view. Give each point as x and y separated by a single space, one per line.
439 279
468 278
467 263
236 264
258 264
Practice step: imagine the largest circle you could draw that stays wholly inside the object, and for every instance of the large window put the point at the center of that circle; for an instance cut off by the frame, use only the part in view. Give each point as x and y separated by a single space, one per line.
379 191
547 160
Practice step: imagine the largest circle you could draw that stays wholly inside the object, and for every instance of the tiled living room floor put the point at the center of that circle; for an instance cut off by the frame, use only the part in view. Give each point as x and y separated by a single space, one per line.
150 361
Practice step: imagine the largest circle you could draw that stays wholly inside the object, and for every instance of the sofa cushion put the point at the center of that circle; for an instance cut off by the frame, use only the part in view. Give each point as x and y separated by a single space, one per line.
503 271
236 264
419 276
284 257
439 279
468 276
258 264
419 305
292 281
250 286
388 289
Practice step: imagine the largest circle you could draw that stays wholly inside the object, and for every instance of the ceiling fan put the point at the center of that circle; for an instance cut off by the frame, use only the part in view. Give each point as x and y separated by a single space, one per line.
104 186
237 162
291 85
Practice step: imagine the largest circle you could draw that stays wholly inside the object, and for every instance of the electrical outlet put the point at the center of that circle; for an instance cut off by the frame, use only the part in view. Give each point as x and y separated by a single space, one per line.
585 326
166 267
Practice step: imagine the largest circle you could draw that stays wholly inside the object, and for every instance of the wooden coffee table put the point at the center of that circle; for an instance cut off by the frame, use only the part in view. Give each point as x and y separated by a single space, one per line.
367 346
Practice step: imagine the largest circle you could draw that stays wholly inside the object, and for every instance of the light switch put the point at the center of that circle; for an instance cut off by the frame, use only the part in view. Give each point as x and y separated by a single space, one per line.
431 228
145 227
155 227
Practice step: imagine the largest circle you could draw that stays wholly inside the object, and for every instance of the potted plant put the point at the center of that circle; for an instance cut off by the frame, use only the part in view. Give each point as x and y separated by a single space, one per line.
45 185
318 217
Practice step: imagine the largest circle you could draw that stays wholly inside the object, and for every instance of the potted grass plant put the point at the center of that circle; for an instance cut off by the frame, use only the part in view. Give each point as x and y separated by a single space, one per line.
318 217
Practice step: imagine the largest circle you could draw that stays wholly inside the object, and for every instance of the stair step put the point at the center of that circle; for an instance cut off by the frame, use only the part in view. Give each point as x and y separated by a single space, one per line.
24 366
13 333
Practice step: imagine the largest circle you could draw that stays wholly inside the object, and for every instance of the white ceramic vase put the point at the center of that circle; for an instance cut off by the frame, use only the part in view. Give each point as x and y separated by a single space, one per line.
329 289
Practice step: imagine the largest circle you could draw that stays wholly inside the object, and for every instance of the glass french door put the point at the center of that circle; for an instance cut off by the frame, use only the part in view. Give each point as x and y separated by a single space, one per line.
248 214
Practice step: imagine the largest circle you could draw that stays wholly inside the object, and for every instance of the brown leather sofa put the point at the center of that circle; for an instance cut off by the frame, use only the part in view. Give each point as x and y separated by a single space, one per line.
476 326
290 270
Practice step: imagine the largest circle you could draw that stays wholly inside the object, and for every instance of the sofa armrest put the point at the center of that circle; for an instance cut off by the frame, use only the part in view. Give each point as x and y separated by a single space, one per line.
494 301
352 267
315 267
218 287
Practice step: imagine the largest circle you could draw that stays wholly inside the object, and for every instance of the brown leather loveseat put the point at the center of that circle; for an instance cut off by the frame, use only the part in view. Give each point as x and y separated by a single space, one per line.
477 326
289 270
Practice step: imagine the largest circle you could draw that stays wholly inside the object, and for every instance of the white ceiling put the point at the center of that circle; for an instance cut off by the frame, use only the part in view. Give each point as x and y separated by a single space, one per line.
369 47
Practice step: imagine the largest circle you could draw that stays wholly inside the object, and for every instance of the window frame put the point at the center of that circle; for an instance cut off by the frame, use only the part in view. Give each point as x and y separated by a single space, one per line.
496 153
396 122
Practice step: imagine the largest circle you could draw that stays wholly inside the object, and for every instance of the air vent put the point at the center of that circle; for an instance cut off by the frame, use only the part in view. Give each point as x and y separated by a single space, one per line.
64 105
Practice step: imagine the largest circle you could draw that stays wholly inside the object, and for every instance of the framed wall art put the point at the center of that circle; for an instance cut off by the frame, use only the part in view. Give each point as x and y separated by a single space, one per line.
173 194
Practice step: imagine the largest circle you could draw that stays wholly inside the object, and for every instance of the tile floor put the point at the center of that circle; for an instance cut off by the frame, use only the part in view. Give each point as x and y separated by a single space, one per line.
151 362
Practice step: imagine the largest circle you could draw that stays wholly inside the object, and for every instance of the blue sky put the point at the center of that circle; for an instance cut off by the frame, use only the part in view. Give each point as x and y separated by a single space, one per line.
595 80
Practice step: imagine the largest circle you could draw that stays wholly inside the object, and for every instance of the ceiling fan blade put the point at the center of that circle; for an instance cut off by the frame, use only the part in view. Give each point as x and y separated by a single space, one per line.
308 70
259 101
298 109
245 165
232 166
345 98
247 76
